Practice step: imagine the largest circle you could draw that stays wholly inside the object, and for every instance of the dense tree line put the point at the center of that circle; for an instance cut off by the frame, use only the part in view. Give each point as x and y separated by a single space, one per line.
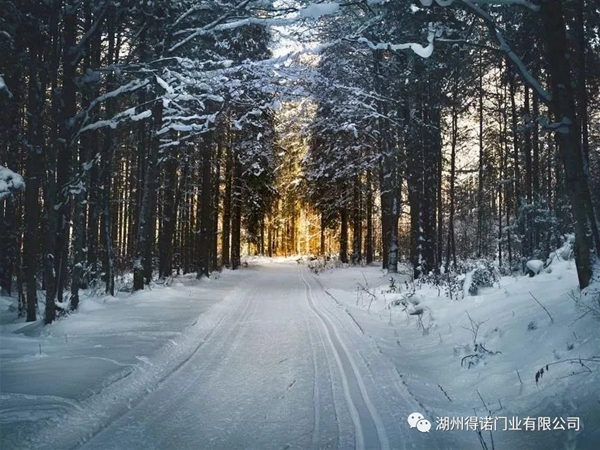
484 137
162 137
134 125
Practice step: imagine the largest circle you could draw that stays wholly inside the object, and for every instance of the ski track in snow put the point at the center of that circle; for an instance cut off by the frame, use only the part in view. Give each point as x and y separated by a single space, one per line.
316 395
117 396
214 354
369 429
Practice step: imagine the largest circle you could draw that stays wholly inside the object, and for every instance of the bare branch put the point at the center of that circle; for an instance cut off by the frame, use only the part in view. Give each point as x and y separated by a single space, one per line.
538 302
208 28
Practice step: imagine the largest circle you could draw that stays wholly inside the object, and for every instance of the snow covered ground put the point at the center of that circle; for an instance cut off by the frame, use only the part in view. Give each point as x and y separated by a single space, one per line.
517 332
67 380
276 357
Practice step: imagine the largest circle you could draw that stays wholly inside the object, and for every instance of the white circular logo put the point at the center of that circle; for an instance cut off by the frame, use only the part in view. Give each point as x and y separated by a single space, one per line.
414 418
424 425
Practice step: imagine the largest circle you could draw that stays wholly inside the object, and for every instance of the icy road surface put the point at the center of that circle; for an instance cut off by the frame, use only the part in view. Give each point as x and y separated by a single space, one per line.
285 368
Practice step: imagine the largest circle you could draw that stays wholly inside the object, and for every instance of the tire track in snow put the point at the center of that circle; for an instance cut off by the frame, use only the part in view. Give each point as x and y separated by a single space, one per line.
369 429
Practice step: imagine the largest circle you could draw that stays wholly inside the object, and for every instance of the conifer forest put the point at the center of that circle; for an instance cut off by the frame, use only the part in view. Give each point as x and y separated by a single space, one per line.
439 142
164 136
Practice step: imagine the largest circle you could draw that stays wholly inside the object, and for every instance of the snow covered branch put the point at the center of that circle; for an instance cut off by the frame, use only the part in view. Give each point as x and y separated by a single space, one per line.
428 3
544 95
114 121
128 114
208 28
317 10
496 31
311 11
524 3
529 78
422 51
10 182
4 88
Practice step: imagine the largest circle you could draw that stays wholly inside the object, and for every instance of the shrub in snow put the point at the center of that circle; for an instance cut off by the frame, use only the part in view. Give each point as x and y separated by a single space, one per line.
486 274
479 351
316 265
466 279
449 283
566 251
534 267
570 346
417 311
410 302
454 286
481 273
392 287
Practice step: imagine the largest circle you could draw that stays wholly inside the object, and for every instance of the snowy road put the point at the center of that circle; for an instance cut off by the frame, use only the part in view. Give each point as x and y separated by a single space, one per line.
285 368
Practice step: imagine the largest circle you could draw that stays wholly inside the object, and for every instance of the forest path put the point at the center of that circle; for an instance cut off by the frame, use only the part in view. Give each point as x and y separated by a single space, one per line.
280 371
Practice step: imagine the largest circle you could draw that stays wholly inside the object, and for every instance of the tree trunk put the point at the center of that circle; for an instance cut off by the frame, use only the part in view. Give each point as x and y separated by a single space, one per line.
236 215
67 111
8 246
356 222
369 213
480 172
204 238
226 234
32 186
50 194
344 236
216 196
450 247
587 240
322 235
10 129
582 95
105 171
171 197
527 151
516 158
